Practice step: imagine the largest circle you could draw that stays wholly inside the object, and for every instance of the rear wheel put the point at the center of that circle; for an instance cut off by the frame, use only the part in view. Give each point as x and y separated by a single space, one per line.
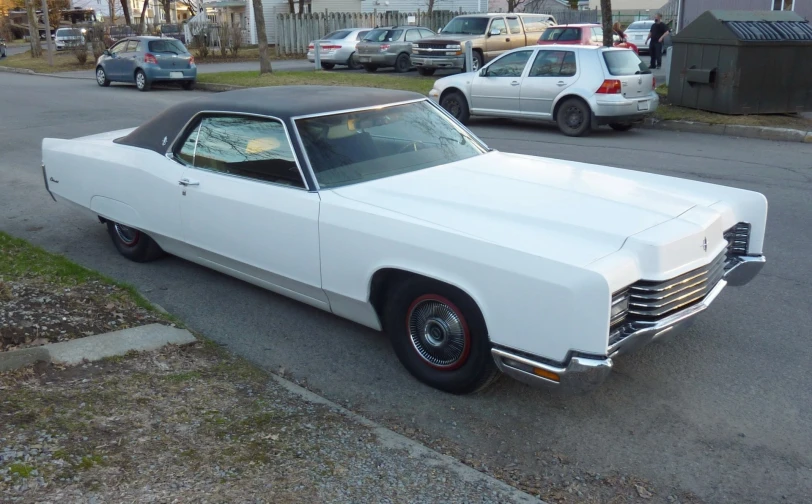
403 63
426 72
574 117
188 85
141 81
328 66
370 68
621 126
132 243
439 335
101 77
456 105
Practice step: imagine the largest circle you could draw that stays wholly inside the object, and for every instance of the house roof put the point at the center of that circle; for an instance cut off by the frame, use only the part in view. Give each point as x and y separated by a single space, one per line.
222 4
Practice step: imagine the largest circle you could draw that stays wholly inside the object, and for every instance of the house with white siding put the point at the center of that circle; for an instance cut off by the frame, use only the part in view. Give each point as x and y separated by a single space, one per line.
422 5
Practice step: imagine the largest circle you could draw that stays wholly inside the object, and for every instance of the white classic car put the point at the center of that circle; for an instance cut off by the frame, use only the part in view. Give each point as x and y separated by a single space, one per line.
379 207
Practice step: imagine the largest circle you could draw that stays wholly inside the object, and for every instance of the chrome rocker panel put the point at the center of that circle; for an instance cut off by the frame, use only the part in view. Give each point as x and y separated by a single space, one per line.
583 374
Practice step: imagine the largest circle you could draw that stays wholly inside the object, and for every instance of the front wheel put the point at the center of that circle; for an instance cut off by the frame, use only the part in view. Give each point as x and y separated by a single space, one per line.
456 105
620 126
328 66
101 77
141 81
439 335
477 61
132 243
574 117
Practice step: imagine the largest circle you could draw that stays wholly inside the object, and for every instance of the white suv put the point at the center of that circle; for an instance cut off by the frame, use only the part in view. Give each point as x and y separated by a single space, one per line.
68 37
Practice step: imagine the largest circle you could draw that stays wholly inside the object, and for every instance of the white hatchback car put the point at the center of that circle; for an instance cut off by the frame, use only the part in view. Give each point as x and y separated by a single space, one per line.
578 87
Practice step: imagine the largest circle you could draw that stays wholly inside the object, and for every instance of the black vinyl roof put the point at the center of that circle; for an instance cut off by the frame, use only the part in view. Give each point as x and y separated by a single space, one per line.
283 102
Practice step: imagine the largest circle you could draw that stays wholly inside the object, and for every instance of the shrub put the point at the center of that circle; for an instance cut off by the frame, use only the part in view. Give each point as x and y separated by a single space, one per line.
236 40
80 51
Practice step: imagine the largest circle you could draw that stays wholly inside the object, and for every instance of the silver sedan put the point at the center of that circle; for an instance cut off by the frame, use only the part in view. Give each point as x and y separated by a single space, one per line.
338 48
577 87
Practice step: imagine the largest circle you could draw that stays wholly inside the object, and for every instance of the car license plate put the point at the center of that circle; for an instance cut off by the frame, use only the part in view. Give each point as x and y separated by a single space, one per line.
175 75
364 59
642 105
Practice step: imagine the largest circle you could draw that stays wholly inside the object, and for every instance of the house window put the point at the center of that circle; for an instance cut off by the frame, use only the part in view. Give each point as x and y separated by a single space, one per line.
787 5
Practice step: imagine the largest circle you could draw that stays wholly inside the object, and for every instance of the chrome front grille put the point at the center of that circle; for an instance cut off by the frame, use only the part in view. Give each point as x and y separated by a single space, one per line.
431 46
738 240
654 300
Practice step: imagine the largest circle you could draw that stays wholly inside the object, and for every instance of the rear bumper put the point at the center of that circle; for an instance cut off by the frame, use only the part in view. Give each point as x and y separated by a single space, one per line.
584 373
339 57
377 59
160 74
619 109
457 62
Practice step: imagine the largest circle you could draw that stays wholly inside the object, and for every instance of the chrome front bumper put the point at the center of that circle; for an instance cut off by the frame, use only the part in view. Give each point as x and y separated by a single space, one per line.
583 373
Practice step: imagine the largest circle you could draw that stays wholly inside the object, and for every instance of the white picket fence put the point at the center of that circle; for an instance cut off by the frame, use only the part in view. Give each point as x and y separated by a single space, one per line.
294 32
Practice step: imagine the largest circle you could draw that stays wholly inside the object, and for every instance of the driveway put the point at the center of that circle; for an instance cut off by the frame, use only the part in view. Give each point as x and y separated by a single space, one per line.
721 414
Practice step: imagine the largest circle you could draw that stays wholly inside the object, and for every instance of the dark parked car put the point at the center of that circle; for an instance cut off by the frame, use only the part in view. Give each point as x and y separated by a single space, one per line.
145 60
174 31
390 47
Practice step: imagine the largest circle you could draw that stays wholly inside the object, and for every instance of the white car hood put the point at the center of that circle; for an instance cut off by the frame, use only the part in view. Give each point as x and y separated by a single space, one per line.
571 212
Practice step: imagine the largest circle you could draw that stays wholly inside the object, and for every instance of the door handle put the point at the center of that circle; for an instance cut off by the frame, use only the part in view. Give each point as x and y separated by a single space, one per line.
514 83
186 182
507 40
561 83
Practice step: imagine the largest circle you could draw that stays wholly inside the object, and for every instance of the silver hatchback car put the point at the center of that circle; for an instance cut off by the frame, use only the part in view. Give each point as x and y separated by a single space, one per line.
578 87
338 48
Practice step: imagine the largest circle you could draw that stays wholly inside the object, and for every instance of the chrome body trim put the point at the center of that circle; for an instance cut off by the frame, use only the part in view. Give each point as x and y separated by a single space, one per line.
170 152
45 178
581 374
640 333
744 269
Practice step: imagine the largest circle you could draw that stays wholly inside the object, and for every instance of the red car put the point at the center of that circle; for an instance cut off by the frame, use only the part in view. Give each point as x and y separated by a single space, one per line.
580 34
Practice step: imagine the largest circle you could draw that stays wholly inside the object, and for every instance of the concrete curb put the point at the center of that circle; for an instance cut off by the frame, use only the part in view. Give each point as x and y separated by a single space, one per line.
735 130
391 439
26 71
93 348
216 88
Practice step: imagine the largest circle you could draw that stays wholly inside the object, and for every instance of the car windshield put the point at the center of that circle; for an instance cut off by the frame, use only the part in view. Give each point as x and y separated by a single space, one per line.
640 25
370 144
166 46
383 35
624 62
67 32
466 26
561 34
337 35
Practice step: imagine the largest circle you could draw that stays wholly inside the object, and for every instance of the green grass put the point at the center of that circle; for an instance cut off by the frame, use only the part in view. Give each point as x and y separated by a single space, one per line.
19 259
420 85
668 112
64 61
21 470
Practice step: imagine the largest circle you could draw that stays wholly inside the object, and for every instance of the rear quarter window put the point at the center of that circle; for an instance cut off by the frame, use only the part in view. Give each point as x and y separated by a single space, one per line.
624 62
561 34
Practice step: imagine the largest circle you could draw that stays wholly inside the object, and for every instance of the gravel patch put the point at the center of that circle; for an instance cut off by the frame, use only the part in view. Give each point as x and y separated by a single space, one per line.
193 424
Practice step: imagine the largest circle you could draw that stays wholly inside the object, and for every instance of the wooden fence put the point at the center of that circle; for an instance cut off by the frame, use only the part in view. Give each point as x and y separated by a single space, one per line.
294 32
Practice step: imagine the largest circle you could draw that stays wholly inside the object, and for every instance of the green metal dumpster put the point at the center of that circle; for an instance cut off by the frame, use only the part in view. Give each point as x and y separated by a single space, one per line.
743 62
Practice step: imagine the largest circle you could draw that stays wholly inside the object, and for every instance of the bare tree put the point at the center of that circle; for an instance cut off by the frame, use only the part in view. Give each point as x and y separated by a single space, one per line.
167 8
514 4
301 6
262 38
143 17
292 6
573 4
606 16
125 9
191 5
33 31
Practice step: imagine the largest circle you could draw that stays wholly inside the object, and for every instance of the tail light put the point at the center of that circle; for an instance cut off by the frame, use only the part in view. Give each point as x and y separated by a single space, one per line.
191 60
331 47
654 82
150 58
311 47
609 86
384 47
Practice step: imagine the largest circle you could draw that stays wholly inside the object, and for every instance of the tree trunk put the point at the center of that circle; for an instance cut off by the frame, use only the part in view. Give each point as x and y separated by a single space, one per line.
301 6
606 16
143 18
292 6
125 9
262 38
429 7
167 11
33 30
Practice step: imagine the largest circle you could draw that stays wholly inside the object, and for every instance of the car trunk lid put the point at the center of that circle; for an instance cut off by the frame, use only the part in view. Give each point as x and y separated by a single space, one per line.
636 80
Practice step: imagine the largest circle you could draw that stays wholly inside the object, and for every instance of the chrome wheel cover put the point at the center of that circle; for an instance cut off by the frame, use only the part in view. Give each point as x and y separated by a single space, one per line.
140 80
100 77
438 332
127 236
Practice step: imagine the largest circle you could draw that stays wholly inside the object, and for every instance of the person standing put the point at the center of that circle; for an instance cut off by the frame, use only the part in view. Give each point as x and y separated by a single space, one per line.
656 35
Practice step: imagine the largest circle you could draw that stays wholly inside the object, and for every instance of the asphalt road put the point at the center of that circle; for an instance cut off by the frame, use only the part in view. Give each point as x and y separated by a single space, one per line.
723 413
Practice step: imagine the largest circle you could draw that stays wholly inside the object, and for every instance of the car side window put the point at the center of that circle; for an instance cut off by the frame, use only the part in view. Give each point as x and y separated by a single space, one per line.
499 24
187 151
514 25
118 48
247 147
132 46
553 64
361 35
511 65
412 35
426 33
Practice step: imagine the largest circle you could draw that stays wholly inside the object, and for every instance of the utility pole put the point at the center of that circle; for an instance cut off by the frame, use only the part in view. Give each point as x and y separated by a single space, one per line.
48 33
